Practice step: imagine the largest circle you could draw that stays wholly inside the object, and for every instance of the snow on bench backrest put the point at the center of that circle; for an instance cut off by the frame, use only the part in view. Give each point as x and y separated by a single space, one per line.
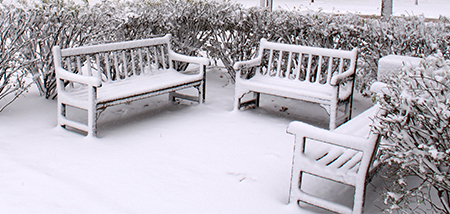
117 61
307 64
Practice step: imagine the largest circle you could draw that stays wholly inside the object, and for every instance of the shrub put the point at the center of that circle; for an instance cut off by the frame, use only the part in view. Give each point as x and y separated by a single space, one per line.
13 24
417 129
66 24
224 30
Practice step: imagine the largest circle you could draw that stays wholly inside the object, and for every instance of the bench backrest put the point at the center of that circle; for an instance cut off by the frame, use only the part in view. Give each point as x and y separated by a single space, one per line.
303 63
121 60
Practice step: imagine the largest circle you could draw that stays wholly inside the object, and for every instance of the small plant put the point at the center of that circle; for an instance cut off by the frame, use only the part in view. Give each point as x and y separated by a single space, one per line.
416 125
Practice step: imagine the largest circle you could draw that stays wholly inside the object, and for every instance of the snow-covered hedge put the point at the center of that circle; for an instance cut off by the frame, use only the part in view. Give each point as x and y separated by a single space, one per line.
417 129
13 24
224 30
66 24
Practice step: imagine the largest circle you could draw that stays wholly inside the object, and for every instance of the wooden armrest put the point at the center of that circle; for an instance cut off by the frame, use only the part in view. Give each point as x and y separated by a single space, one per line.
87 80
190 59
338 79
249 63
302 130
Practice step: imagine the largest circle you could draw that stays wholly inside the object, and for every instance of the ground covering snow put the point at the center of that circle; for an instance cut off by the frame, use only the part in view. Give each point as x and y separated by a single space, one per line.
153 156
428 8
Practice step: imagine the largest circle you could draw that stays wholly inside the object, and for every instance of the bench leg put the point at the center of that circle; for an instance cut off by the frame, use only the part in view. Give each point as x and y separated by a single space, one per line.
257 97
171 97
333 116
61 113
92 113
202 96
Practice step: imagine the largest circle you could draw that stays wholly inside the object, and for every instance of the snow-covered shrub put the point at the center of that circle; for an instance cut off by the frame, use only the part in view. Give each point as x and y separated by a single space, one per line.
13 24
226 31
66 24
189 22
417 129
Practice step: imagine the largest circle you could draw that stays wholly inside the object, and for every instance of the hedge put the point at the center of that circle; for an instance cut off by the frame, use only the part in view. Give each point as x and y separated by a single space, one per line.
226 31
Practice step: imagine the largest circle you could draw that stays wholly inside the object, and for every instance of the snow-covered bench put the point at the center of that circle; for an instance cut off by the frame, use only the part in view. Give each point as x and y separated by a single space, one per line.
95 77
345 155
318 75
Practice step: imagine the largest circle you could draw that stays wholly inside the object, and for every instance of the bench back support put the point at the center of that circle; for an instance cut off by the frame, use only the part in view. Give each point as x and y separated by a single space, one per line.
302 63
117 61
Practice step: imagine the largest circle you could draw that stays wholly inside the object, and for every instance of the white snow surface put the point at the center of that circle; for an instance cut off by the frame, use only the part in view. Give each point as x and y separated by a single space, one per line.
428 8
154 156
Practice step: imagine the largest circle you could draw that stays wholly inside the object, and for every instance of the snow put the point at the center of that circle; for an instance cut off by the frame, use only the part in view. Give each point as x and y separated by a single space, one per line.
153 156
390 66
428 8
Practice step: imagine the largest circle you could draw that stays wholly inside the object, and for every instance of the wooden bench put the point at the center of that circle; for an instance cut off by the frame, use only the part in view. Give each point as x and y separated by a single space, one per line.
98 76
346 155
318 75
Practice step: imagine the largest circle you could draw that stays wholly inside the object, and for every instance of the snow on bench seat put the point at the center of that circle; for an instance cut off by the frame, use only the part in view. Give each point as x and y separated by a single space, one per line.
134 86
318 75
95 77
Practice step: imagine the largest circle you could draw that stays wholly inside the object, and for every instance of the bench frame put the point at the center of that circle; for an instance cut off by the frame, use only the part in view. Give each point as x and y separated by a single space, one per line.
353 142
285 65
66 76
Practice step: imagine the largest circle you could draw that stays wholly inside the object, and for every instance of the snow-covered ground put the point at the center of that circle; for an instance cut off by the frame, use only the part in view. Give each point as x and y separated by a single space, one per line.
428 8
153 156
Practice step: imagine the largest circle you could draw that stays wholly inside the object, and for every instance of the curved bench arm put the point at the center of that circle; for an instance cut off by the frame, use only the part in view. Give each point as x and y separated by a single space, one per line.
339 78
190 59
62 73
249 63
87 80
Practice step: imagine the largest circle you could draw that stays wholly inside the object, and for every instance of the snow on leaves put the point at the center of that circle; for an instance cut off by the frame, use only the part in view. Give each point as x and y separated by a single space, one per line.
417 127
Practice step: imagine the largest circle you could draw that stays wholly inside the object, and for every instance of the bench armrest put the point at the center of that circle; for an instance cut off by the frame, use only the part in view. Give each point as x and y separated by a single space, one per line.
249 63
87 80
190 59
337 79
302 130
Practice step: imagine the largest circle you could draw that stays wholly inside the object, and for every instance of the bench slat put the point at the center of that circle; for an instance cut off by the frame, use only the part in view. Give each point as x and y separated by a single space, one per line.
141 61
133 63
288 70
98 68
299 65
125 67
280 61
308 69
108 67
341 66
269 67
149 60
330 69
319 70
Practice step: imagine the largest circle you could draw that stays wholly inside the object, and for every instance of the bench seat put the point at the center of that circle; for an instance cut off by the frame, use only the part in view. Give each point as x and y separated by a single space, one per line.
311 92
133 86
